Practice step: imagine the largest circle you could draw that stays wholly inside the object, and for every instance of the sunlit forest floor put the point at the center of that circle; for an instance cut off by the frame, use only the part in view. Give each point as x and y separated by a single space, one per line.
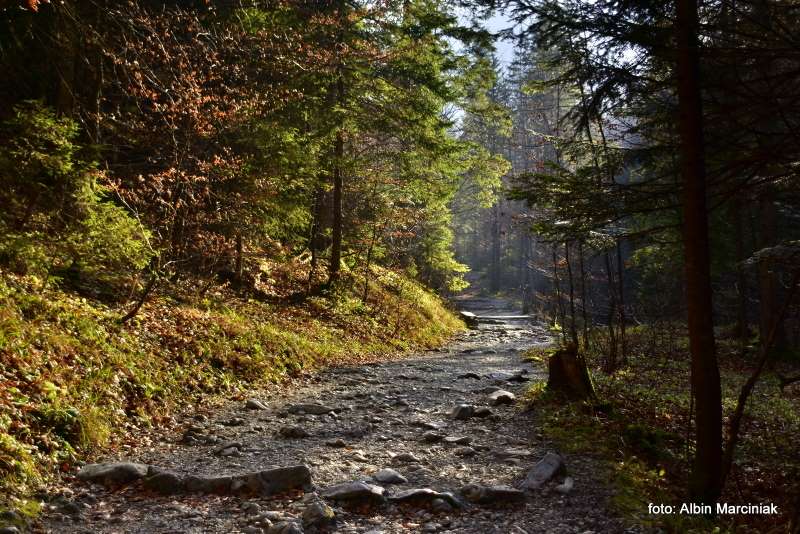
73 379
640 429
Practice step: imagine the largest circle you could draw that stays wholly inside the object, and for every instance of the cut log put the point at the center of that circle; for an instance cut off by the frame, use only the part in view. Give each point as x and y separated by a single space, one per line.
569 375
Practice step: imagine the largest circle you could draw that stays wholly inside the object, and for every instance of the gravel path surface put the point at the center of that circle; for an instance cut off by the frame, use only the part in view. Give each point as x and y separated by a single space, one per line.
394 415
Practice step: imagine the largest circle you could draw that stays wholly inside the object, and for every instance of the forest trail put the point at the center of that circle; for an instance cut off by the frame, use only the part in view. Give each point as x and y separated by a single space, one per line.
394 414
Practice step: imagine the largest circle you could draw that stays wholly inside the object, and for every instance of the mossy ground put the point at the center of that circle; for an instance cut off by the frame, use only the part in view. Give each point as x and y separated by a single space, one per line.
638 434
73 379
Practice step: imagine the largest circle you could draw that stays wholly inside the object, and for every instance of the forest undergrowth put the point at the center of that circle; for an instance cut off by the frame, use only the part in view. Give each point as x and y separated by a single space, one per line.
640 431
74 379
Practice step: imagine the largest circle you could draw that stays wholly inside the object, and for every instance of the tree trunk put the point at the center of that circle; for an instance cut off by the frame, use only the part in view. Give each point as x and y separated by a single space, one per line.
559 309
610 365
524 278
149 287
315 237
239 267
742 326
336 234
706 475
376 231
494 266
573 327
584 299
767 275
623 345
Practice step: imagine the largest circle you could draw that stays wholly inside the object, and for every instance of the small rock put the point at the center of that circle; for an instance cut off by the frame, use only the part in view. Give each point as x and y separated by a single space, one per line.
286 527
514 453
338 443
483 411
465 451
518 378
9 530
358 456
432 437
293 432
429 425
462 411
233 421
474 376
311 409
543 471
424 496
318 514
251 508
441 506
492 494
566 486
355 492
10 516
163 482
501 396
66 506
389 476
113 474
458 440
254 404
405 458
228 448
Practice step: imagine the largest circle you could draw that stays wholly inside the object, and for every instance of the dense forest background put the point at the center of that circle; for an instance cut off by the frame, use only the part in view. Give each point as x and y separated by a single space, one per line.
631 178
654 177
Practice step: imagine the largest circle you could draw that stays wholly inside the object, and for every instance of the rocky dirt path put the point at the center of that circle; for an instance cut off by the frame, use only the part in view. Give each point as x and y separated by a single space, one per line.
367 437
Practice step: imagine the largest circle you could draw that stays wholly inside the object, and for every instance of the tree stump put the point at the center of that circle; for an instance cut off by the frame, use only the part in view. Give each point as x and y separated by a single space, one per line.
568 374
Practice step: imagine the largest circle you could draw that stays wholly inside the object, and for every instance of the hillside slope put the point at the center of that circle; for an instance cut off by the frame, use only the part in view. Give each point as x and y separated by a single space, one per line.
74 379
